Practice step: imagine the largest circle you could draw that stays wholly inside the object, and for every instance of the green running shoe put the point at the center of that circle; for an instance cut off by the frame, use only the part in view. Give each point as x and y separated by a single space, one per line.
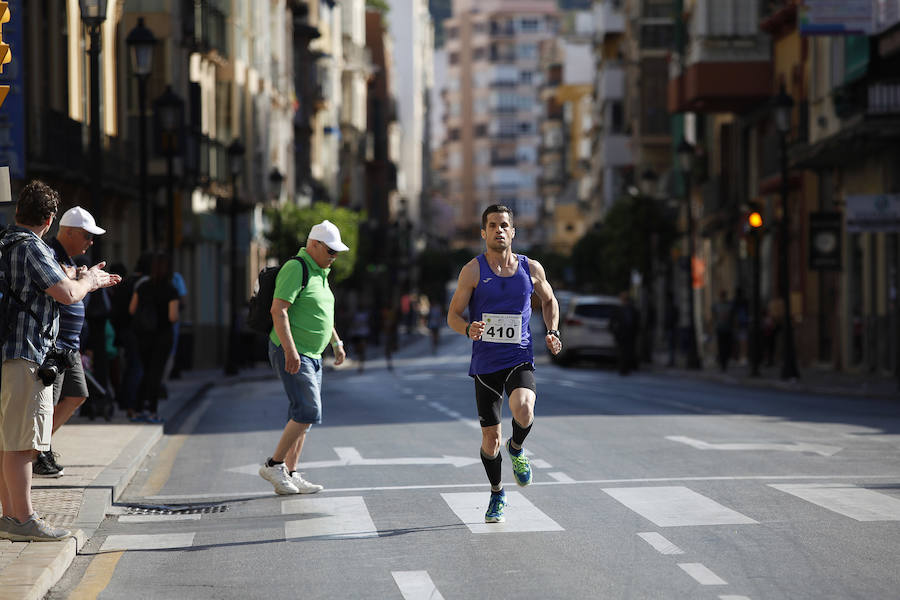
521 466
494 512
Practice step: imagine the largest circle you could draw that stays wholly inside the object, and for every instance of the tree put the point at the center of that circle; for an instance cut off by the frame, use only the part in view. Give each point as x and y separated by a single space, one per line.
290 225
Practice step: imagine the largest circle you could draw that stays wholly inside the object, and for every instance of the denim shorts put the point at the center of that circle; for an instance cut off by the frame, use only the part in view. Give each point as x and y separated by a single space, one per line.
303 388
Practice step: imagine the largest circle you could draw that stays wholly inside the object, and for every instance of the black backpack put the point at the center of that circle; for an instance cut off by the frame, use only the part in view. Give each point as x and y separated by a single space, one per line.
259 315
10 302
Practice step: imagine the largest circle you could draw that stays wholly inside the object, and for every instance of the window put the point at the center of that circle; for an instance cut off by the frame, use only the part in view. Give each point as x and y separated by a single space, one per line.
526 77
479 53
453 58
452 32
481 130
526 127
657 36
526 51
617 117
453 134
529 25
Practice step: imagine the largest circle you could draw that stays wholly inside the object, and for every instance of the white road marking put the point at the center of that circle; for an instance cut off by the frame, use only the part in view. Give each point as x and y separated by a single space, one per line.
420 397
733 597
561 477
344 517
157 518
701 574
349 457
820 449
161 541
416 585
521 515
539 463
480 484
660 543
846 499
348 454
676 506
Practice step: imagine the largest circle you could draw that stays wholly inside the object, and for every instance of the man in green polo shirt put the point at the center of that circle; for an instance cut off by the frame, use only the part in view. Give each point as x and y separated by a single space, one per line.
303 326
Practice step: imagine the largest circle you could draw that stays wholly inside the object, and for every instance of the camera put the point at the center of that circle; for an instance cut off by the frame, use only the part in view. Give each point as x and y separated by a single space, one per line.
56 361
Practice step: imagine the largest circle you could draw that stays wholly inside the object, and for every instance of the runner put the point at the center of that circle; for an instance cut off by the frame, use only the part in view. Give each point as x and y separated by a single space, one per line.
496 287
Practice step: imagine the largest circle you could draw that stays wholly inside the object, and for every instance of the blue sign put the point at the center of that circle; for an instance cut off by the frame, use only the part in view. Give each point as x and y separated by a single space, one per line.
12 113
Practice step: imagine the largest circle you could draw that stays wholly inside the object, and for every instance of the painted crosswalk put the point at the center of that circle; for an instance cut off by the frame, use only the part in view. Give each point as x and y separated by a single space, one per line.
343 517
521 515
846 499
676 506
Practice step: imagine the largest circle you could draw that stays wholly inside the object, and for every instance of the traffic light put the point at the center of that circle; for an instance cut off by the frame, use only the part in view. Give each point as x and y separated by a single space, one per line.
754 220
5 54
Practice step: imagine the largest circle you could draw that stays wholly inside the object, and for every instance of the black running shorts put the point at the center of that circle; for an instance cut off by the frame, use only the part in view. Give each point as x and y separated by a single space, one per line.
489 390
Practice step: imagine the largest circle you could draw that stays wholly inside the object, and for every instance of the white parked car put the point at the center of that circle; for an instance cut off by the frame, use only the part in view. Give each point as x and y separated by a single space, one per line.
584 326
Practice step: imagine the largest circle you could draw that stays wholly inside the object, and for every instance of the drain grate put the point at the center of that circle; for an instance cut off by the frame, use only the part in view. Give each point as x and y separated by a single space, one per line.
205 509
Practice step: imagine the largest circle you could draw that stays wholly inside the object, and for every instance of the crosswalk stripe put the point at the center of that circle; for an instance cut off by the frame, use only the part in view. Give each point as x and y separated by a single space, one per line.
521 515
161 541
846 499
676 506
702 574
416 585
343 517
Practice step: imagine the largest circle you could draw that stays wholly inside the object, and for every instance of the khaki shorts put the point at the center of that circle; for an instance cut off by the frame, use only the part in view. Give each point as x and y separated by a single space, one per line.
26 408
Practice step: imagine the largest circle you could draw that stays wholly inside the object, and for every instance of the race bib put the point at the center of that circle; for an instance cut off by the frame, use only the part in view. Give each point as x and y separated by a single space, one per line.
502 329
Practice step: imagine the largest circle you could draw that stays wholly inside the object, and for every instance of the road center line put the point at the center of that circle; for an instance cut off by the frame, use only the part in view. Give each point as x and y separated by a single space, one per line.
660 543
702 574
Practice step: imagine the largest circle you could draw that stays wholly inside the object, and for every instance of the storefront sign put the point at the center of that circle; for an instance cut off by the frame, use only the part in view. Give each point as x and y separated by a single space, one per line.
825 241
836 17
873 213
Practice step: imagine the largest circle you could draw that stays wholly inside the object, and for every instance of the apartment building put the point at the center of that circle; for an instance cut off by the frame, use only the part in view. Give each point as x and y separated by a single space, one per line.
493 111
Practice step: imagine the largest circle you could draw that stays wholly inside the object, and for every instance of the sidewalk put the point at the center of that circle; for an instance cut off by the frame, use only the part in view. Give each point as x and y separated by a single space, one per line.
100 459
813 380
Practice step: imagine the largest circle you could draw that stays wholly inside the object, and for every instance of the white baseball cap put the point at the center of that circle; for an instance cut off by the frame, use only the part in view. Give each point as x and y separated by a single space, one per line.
328 233
78 217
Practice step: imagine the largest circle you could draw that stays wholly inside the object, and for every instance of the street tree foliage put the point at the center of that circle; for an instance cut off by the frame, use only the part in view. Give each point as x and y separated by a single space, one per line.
381 6
635 232
290 224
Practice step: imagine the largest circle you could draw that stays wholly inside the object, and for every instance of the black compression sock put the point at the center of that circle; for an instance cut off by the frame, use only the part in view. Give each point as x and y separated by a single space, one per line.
492 466
272 463
520 433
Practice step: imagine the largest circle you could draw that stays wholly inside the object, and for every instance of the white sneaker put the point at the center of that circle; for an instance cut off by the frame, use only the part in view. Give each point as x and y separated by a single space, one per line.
279 478
305 487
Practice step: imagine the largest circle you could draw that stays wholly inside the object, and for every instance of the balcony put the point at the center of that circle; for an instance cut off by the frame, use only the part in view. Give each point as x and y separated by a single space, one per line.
609 20
611 85
727 61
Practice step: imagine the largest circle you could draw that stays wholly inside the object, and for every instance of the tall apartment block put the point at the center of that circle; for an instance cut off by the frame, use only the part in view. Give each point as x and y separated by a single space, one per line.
492 111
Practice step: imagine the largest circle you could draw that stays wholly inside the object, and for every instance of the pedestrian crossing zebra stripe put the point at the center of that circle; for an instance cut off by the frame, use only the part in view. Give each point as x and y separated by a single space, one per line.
846 499
160 541
676 506
416 585
521 515
343 517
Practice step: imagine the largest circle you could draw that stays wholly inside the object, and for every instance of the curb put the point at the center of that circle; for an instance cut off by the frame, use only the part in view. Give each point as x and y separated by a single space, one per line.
49 561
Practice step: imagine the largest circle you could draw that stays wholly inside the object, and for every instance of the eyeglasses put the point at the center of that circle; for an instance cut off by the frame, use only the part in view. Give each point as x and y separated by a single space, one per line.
87 235
329 250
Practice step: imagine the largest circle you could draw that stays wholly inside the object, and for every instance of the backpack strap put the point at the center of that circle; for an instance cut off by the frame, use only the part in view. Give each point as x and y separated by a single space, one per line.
5 247
305 268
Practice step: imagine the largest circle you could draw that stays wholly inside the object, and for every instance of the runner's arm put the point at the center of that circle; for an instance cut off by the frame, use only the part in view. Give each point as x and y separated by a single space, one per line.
465 285
549 305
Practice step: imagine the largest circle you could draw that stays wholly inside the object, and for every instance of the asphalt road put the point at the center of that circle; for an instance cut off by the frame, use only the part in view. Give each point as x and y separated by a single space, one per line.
644 487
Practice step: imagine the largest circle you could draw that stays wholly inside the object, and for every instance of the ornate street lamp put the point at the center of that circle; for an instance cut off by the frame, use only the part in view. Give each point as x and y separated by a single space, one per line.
235 165
782 107
93 15
169 108
141 41
686 162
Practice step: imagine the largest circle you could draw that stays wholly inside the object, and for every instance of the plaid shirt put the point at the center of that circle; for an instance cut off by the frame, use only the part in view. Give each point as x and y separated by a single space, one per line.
33 269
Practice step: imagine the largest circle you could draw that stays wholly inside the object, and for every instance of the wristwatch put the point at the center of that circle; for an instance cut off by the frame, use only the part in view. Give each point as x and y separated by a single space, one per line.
554 333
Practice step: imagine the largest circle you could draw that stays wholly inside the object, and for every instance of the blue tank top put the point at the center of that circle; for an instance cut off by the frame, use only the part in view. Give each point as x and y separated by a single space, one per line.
504 295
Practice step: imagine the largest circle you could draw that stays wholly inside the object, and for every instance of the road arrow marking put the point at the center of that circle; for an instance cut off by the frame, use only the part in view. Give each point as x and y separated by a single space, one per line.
820 449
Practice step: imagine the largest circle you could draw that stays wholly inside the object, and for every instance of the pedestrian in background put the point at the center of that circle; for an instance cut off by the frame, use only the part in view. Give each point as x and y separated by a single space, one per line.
154 309
435 321
36 284
359 335
77 229
624 325
126 336
303 327
496 288
723 318
173 366
670 322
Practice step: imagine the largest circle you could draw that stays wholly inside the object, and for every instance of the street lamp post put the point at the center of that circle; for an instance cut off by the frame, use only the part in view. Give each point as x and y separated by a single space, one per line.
783 106
141 41
170 108
755 222
236 164
93 15
686 159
